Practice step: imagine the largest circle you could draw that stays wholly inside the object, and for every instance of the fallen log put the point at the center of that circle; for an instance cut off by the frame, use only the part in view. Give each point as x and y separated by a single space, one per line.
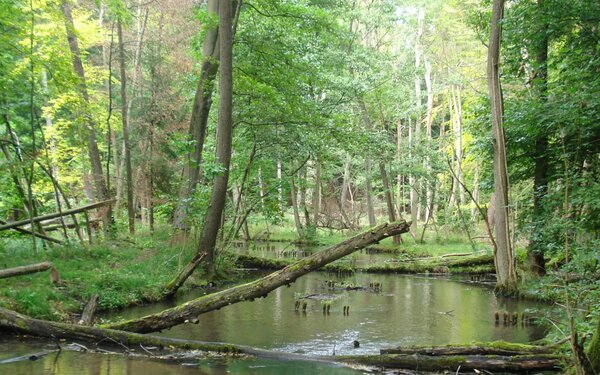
11 320
24 270
492 363
14 224
487 348
471 265
261 287
38 235
89 311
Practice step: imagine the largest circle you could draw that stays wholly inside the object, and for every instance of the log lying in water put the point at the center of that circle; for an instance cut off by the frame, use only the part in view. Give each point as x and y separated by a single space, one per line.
11 320
492 363
484 348
261 287
479 264
24 270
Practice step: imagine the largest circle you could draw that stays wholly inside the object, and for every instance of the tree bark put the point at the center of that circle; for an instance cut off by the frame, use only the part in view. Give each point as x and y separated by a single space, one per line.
125 118
504 257
101 191
89 311
369 194
198 122
293 196
212 221
535 253
261 287
490 363
24 324
388 199
317 195
24 270
491 348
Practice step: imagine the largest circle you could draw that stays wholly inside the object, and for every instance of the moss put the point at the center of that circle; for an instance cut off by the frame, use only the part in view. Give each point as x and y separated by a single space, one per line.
593 352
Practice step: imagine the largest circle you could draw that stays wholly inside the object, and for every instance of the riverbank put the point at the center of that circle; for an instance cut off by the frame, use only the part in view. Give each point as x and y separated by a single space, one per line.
127 271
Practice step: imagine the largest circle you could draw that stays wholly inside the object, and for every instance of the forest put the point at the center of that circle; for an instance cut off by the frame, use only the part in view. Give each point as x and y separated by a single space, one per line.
304 186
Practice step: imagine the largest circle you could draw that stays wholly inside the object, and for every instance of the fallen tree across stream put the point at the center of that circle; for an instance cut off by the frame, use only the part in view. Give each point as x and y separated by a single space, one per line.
492 363
261 287
526 358
474 264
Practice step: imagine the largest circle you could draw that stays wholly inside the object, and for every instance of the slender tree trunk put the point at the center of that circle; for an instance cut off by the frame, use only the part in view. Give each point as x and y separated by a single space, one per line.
399 198
456 100
297 221
126 143
430 181
503 257
388 199
279 186
535 253
369 194
304 198
216 207
198 124
412 182
345 181
419 104
317 194
101 192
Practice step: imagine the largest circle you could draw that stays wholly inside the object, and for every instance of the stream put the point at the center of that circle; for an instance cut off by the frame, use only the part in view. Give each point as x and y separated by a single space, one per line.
384 311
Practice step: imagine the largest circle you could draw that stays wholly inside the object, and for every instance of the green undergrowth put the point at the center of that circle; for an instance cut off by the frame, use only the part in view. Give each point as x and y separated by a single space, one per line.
123 272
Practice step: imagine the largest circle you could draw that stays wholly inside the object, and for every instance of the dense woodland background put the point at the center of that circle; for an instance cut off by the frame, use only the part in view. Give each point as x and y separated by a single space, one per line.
345 113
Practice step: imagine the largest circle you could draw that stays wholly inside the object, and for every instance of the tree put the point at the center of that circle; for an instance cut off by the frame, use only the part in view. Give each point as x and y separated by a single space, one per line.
92 144
212 221
126 143
503 255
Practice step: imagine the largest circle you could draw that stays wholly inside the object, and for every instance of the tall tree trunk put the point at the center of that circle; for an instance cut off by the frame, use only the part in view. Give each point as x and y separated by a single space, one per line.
457 105
294 197
399 197
503 257
369 193
419 104
125 118
216 206
412 182
388 199
430 181
279 186
535 252
101 191
198 124
317 194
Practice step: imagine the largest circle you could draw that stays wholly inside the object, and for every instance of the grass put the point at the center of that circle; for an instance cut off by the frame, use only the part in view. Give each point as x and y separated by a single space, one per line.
122 272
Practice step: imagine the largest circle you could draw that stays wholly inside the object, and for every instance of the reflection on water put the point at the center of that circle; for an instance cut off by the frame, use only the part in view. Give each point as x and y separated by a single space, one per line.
74 363
406 310
409 310
283 250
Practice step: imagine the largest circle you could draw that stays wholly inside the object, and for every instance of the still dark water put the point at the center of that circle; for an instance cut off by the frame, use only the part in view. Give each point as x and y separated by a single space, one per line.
405 310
